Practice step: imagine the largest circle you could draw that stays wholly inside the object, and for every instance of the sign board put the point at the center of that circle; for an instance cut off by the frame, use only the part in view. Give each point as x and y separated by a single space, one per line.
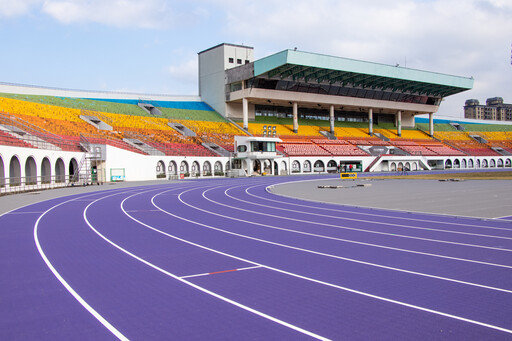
348 175
117 174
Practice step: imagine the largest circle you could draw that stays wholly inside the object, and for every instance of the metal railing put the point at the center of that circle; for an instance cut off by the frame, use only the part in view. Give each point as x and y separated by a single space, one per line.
14 185
33 135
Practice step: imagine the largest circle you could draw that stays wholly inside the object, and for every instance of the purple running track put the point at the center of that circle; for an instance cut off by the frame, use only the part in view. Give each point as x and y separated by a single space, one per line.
225 259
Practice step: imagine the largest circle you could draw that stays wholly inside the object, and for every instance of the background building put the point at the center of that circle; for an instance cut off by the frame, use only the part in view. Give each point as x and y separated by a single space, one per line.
494 109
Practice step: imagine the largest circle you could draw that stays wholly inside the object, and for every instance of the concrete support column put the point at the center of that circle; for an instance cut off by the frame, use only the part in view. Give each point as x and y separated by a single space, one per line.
370 121
331 118
295 117
245 112
399 123
431 124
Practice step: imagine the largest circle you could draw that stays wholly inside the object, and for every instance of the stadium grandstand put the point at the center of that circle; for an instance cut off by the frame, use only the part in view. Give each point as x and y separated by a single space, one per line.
292 112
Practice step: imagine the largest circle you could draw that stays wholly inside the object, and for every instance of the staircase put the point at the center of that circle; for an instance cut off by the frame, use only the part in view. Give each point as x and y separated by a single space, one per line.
382 137
180 128
148 107
96 119
216 149
374 163
83 173
246 132
142 146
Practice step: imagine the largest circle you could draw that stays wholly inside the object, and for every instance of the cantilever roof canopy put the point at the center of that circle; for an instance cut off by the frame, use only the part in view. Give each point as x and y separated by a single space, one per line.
312 67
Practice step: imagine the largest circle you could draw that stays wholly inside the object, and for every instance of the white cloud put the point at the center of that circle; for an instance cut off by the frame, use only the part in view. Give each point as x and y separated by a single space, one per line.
183 76
184 71
460 37
118 13
14 8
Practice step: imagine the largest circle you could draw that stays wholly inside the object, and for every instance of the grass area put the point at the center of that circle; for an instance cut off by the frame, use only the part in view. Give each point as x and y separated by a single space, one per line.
487 127
468 127
79 103
437 127
500 175
117 108
192 115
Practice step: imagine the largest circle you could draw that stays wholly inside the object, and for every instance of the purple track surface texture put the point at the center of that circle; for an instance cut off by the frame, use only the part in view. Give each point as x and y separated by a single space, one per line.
227 260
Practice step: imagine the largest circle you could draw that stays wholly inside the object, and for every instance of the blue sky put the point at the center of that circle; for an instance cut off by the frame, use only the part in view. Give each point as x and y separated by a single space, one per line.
151 46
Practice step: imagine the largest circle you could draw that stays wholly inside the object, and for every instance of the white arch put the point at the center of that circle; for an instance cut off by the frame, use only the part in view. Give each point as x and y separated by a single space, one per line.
2 172
207 168
14 171
217 168
72 169
196 169
456 163
60 171
319 166
46 171
30 171
172 168
284 166
184 167
307 166
160 170
295 166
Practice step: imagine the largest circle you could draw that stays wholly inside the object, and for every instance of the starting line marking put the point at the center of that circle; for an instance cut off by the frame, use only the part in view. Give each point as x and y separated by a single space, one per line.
221 272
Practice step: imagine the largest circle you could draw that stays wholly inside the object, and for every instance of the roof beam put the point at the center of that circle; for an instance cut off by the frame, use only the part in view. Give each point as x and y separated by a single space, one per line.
341 78
328 76
317 74
360 80
380 83
291 71
279 70
309 72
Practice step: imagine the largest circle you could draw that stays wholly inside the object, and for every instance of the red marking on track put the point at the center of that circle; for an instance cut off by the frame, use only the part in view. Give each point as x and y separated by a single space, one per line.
220 272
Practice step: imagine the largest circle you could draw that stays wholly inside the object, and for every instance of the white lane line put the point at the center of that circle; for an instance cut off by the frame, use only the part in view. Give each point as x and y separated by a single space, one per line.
341 239
237 304
352 219
362 220
346 258
80 300
505 217
308 278
220 272
374 208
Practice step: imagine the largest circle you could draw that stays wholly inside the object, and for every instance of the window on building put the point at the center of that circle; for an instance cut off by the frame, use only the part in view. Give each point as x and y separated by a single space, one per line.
239 61
231 60
247 61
